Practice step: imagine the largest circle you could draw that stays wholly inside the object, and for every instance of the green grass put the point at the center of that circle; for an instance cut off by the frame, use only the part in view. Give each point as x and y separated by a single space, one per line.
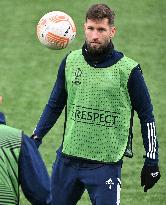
28 72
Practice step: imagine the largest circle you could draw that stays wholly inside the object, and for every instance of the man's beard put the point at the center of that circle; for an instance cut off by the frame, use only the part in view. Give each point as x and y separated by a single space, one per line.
95 51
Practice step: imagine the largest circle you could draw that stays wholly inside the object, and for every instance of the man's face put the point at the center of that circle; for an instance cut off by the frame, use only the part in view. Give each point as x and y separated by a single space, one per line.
98 34
1 99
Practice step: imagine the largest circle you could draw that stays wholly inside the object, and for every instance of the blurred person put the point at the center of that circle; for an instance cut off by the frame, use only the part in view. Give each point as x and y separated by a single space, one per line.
100 88
21 164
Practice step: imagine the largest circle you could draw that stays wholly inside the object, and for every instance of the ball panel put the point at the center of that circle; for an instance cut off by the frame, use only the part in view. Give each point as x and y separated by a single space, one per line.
56 41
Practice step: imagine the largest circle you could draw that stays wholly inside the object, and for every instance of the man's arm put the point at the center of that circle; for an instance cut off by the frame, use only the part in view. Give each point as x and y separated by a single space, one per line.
55 104
141 103
33 175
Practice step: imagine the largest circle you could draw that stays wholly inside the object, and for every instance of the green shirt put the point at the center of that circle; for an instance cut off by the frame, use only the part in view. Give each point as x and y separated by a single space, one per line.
10 142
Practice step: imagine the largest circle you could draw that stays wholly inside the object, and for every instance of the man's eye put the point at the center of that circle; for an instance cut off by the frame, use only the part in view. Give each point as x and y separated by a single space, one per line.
90 28
101 29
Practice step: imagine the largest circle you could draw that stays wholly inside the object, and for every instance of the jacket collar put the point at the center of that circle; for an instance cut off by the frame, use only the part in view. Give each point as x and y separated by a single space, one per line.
95 59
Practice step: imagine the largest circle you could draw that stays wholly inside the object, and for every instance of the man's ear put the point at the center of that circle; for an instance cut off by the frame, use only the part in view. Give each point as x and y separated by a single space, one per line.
112 32
84 26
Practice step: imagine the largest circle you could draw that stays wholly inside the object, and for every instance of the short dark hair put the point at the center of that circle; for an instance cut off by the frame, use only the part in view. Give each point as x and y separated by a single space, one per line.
100 11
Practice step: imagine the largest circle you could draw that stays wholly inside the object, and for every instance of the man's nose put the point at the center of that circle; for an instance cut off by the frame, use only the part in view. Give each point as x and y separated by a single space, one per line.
95 34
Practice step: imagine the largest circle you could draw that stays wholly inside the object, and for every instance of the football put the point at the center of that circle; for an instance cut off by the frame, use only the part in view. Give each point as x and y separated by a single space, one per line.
56 30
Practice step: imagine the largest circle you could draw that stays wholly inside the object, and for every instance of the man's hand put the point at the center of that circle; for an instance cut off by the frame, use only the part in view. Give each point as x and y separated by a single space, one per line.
37 140
149 176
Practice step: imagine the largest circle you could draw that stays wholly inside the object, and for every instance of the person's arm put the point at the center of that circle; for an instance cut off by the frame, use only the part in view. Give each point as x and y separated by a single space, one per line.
33 175
55 104
141 103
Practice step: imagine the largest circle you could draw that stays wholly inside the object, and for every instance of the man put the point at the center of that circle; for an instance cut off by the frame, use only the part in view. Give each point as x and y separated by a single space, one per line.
21 164
99 88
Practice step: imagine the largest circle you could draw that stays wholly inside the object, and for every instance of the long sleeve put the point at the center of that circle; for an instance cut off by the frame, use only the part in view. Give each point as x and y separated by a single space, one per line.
55 104
141 103
33 175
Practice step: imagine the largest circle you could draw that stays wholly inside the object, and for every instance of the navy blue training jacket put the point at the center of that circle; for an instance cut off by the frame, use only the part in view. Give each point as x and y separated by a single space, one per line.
33 176
138 92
